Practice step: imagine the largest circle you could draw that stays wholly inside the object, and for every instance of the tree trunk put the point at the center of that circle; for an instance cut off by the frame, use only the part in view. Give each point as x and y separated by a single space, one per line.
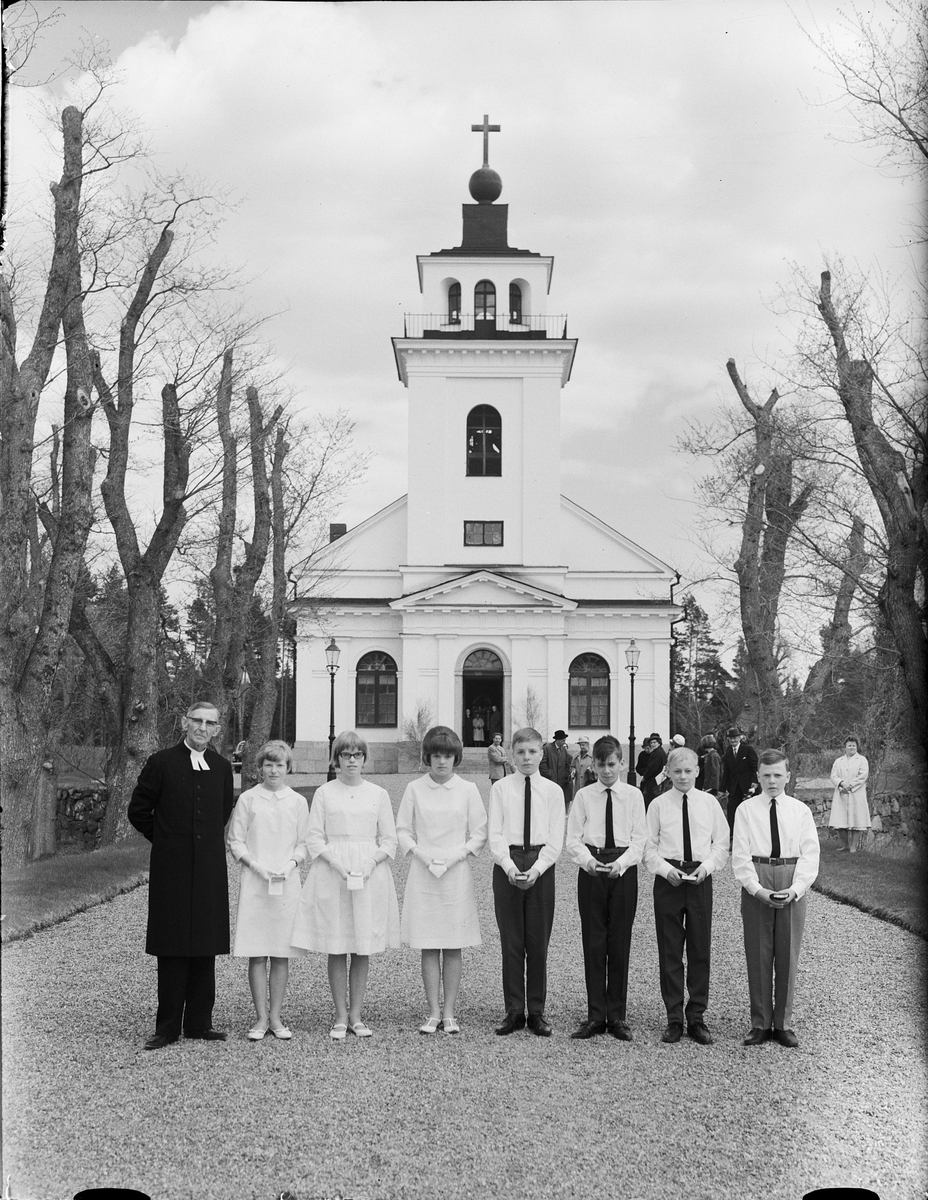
900 496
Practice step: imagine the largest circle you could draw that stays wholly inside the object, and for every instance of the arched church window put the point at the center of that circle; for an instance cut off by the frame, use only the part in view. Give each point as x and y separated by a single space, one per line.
454 304
485 301
589 692
375 690
484 441
515 304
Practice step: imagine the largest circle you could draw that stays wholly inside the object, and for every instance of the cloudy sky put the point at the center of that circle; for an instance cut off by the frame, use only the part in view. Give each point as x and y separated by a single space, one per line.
676 158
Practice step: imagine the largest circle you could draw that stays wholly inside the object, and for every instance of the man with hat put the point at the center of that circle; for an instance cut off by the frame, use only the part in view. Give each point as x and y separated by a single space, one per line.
581 767
555 764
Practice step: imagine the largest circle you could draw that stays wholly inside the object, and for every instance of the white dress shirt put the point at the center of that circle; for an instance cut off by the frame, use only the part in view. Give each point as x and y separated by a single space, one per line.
507 819
708 831
798 839
586 824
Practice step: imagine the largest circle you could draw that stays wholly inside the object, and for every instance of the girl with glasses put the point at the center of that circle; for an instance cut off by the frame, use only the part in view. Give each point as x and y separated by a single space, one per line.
348 905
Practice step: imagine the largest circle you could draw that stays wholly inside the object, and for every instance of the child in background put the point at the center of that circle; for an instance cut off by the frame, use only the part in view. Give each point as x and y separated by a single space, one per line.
687 841
606 835
348 904
440 822
775 857
267 835
526 833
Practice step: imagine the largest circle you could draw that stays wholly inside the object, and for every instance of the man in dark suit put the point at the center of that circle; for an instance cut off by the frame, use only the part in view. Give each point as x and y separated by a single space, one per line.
739 772
654 766
555 764
181 804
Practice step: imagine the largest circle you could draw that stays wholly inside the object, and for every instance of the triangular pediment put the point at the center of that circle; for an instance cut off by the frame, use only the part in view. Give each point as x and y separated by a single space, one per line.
484 589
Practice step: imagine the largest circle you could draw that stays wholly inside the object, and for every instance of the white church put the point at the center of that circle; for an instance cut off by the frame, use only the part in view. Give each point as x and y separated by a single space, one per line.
484 596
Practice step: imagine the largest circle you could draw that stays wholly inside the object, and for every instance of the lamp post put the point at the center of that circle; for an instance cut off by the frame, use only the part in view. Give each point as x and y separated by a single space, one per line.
631 665
331 665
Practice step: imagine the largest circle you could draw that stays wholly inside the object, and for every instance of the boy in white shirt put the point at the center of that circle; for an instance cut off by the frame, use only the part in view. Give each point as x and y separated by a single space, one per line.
606 835
775 856
687 841
525 836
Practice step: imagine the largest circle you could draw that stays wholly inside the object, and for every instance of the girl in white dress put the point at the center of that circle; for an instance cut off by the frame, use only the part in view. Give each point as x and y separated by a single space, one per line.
348 905
850 813
440 822
267 835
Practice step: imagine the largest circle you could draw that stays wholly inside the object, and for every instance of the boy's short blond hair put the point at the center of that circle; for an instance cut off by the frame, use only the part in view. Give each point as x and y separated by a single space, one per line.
526 735
276 751
681 752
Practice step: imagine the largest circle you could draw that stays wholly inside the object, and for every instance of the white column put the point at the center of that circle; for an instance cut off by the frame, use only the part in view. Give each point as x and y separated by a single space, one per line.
662 687
518 657
447 707
557 693
307 649
409 680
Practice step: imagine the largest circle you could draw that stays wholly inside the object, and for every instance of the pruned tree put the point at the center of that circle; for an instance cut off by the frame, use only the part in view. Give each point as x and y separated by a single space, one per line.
38 587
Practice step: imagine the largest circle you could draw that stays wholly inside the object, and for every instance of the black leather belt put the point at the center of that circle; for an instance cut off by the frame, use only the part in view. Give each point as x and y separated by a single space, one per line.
682 865
775 862
541 846
600 852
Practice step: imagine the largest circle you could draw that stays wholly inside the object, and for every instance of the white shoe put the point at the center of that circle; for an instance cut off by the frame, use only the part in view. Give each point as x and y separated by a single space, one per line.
432 1025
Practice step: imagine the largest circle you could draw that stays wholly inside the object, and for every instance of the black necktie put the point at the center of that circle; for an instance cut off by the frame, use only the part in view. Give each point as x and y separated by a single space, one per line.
687 844
610 828
527 827
774 830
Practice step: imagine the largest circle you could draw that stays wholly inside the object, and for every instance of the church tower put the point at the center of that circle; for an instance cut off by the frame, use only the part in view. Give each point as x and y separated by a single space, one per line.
484 599
484 364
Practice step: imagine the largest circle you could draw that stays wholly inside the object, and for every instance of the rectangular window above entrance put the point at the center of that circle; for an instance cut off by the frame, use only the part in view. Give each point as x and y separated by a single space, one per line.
483 533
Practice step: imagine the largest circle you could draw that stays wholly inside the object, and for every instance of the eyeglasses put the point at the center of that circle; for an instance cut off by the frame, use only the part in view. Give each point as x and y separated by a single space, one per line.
351 754
206 724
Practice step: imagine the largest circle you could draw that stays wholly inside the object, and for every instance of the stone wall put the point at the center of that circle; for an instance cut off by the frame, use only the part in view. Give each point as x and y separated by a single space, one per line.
899 814
80 818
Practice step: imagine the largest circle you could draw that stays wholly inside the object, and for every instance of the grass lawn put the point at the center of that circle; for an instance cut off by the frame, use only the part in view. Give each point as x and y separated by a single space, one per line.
889 884
43 893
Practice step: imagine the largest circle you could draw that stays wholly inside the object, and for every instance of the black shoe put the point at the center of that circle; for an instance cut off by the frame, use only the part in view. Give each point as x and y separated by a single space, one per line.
756 1037
207 1035
511 1022
620 1030
538 1025
589 1029
700 1033
673 1032
786 1037
158 1042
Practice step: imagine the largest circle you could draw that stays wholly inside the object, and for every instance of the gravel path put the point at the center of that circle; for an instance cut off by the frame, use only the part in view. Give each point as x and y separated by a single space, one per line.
473 1116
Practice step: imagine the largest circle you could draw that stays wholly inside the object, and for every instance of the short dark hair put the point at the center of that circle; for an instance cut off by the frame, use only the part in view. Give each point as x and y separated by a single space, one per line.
767 758
526 735
605 746
441 740
851 738
708 742
348 739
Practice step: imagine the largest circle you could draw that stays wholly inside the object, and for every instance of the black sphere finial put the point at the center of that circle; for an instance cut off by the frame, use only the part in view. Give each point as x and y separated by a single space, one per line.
485 185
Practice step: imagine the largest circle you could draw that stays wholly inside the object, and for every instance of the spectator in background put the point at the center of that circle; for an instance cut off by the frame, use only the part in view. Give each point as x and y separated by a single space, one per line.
710 765
555 764
654 767
498 759
739 772
581 767
850 813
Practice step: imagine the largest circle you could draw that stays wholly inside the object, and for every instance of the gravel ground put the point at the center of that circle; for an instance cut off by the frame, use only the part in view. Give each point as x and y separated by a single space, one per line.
473 1116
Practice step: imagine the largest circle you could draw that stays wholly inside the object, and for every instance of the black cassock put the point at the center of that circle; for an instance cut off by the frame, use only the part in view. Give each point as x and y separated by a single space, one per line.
183 813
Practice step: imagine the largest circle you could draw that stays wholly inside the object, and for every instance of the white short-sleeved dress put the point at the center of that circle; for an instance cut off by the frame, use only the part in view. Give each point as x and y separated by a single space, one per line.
350 823
849 810
442 819
271 828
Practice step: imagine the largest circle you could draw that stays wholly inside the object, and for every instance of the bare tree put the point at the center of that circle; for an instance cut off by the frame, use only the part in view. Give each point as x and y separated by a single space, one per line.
36 596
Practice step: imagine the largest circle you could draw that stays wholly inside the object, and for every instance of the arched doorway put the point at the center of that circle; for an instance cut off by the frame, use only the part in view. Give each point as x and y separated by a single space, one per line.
482 677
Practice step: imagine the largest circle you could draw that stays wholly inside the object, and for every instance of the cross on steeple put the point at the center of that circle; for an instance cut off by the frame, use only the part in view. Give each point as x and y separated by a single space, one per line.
486 129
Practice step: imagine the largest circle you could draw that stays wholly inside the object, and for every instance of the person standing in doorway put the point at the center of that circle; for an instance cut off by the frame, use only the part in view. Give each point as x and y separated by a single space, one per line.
181 804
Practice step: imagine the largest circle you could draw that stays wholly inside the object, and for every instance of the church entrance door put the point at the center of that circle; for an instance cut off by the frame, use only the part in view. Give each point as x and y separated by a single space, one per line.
483 698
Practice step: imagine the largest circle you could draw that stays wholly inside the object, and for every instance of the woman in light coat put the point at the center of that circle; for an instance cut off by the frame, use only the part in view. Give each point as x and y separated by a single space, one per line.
850 814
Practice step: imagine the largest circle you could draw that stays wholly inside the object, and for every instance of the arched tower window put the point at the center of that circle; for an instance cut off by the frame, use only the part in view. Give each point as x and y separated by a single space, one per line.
484 441
589 692
485 301
375 690
454 304
515 304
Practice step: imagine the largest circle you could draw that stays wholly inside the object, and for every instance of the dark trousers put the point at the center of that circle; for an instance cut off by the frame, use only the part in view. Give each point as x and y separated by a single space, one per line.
186 994
735 797
772 938
607 912
683 916
524 919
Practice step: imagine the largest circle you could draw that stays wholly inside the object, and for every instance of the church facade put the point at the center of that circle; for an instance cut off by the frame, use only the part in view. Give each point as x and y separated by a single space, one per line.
484 599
